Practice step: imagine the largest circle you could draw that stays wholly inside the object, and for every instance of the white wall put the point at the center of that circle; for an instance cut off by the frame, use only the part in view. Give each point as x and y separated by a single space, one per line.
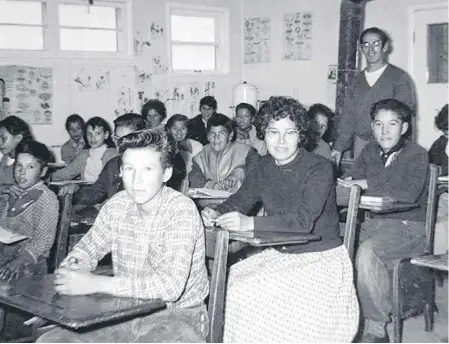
305 80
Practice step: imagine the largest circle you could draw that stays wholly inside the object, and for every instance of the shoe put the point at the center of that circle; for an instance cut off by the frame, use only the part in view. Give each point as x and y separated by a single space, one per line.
371 338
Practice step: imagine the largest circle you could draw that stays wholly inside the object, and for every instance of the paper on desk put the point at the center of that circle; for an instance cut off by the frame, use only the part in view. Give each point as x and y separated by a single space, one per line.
375 200
68 182
8 237
443 178
203 192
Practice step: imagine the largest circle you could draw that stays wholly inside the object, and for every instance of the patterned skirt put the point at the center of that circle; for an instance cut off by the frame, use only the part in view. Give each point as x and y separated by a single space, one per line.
281 297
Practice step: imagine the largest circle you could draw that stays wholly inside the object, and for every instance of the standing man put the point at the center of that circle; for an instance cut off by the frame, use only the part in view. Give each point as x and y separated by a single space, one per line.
379 80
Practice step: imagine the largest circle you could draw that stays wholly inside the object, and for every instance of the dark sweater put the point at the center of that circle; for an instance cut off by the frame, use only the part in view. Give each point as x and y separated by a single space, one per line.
297 197
355 118
405 179
437 154
109 182
196 130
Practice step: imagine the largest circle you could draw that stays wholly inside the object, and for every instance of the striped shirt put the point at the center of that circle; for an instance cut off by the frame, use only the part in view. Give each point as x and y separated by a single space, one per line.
160 255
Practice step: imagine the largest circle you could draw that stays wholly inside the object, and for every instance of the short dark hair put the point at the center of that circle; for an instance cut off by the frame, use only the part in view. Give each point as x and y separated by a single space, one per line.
375 30
218 119
155 138
157 105
175 118
132 120
402 110
209 101
280 107
252 110
17 126
36 149
318 108
75 118
441 119
96 122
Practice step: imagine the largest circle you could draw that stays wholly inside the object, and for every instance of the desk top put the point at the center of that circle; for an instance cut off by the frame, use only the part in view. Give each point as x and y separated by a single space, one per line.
381 207
438 262
36 295
259 238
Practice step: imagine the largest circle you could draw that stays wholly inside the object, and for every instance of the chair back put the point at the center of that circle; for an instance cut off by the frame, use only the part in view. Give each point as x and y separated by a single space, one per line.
59 250
351 219
217 244
431 211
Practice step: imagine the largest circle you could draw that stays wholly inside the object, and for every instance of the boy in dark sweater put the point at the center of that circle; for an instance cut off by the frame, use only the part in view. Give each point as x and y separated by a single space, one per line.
394 167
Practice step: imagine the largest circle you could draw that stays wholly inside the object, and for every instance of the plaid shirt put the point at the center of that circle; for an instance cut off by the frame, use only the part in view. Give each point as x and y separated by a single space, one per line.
161 255
37 219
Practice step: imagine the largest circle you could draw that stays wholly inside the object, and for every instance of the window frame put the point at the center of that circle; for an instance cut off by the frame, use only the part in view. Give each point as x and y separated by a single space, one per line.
51 32
221 42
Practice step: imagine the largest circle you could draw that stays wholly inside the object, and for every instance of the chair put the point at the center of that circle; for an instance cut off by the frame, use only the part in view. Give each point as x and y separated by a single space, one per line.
414 286
217 246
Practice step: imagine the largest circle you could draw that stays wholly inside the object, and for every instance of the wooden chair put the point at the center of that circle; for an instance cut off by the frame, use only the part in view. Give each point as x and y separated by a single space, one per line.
414 286
217 248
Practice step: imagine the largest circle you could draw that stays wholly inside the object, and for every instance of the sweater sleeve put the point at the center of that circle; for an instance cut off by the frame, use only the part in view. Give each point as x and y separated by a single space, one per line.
72 170
358 168
408 184
309 205
405 91
347 123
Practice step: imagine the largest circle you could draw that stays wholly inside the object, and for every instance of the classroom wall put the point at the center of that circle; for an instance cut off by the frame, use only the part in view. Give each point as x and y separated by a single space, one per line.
123 75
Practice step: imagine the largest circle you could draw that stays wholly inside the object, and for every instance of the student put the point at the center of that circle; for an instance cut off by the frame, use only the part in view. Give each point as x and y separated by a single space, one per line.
28 207
297 293
154 112
13 130
188 148
166 259
390 166
379 80
75 127
90 161
223 163
437 154
320 117
197 128
246 132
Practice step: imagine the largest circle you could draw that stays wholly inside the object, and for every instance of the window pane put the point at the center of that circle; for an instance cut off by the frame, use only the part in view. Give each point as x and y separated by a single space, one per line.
191 57
21 12
88 40
21 37
85 16
437 53
192 29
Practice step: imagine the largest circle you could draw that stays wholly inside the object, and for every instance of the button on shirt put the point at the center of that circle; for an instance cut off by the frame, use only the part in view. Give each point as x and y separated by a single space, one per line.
160 255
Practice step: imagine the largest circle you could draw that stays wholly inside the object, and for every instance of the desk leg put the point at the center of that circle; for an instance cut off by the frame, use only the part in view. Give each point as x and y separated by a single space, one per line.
218 288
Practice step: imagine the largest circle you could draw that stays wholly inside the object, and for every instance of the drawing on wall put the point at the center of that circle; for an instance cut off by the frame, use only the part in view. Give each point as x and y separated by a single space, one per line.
142 98
124 101
144 77
159 64
298 36
140 43
30 93
257 34
194 90
156 30
209 88
162 94
332 74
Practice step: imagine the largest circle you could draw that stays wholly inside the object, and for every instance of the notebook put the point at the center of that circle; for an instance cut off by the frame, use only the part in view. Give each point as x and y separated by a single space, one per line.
208 193
9 237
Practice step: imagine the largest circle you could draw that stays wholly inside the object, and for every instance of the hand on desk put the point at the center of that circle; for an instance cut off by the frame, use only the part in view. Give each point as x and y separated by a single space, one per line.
11 269
209 216
76 282
235 221
349 182
68 189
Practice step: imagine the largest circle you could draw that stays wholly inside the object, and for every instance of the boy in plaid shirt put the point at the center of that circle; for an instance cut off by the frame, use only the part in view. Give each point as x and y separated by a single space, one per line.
156 238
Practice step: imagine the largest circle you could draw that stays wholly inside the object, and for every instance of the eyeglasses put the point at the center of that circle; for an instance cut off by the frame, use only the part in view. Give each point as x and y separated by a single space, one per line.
288 136
375 44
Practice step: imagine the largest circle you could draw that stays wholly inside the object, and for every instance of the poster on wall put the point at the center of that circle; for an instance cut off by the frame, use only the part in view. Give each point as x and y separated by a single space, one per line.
257 34
297 38
30 93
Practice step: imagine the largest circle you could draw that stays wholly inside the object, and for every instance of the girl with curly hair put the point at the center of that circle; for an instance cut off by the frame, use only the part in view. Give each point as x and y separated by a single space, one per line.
295 293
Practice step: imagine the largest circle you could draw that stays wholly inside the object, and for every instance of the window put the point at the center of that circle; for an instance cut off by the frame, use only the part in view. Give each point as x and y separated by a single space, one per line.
86 28
21 25
66 27
198 39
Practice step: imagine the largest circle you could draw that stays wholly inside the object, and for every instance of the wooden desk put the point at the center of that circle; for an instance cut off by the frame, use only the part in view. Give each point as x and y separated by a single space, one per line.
36 295
438 262
396 206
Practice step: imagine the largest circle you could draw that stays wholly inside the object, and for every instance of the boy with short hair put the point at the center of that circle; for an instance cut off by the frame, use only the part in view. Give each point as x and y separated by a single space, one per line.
74 125
390 166
156 238
246 131
30 208
197 126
